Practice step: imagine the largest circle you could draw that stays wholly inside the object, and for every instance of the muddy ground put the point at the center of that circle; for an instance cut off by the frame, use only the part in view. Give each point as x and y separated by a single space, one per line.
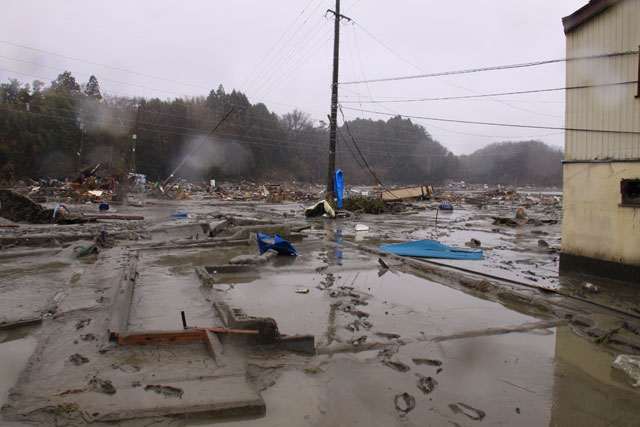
503 341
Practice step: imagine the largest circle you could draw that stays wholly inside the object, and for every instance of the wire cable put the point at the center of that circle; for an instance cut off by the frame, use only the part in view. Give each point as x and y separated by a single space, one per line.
494 68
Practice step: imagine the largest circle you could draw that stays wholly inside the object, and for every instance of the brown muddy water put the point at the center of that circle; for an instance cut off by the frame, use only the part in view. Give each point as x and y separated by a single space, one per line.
394 347
539 377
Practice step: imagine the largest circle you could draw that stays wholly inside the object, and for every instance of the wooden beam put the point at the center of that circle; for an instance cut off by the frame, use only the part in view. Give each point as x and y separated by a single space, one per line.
122 302
214 346
161 337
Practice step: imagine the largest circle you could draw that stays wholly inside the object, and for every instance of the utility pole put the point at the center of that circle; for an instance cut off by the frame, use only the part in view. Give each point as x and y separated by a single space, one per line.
334 104
134 138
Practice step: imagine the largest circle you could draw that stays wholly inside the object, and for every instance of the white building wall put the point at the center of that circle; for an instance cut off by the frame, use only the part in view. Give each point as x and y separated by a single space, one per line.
617 29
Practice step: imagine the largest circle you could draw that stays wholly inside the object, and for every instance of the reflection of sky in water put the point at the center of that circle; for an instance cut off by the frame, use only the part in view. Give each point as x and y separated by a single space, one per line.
337 252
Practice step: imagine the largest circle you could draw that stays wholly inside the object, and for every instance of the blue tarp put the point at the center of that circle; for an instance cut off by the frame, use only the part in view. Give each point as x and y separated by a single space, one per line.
338 186
279 245
431 249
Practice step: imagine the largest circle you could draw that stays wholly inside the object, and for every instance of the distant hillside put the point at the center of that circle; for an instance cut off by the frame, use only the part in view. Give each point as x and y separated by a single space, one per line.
513 163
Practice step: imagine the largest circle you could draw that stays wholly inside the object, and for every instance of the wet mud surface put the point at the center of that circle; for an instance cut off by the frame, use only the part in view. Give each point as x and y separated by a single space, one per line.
395 345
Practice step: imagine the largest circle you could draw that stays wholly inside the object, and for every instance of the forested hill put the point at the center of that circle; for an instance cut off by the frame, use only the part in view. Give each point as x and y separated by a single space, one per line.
52 131
514 163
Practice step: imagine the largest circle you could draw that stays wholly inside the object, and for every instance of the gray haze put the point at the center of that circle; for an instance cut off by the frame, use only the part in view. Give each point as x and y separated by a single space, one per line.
194 46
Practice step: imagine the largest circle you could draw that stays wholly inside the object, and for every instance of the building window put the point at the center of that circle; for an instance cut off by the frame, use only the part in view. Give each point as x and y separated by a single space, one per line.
630 191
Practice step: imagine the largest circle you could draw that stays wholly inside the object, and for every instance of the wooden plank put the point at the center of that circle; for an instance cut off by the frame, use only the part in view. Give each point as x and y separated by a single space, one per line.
225 330
20 323
161 337
214 346
122 302
123 217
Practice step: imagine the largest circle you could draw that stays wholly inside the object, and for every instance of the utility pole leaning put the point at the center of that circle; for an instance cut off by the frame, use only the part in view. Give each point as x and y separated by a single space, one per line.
333 119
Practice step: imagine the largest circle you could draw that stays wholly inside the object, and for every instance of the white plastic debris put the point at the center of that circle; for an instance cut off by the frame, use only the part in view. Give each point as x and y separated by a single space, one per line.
362 227
630 365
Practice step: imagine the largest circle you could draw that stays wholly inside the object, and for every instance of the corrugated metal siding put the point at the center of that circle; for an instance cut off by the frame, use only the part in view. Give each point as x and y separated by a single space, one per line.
614 107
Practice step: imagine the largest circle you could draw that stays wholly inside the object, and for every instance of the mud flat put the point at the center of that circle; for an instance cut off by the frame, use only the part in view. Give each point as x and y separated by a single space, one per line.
503 341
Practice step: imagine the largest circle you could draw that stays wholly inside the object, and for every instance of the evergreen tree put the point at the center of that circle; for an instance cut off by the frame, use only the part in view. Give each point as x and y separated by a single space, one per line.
93 88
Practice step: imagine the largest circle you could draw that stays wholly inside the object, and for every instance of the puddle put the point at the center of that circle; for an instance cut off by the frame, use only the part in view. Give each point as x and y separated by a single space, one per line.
14 356
518 379
394 303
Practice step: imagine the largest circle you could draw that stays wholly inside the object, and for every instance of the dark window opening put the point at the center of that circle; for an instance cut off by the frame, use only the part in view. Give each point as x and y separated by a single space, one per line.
630 190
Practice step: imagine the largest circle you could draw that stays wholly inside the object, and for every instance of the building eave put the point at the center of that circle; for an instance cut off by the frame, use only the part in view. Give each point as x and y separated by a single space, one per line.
585 13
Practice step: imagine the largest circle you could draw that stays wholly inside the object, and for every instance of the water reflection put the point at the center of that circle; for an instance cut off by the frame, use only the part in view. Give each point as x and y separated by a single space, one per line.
337 251
586 390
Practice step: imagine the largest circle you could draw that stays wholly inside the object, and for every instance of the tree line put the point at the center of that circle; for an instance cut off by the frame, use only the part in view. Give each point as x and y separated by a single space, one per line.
57 130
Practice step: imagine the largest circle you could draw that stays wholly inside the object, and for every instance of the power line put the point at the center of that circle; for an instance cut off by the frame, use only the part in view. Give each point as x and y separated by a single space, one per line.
276 44
502 124
101 65
494 68
373 101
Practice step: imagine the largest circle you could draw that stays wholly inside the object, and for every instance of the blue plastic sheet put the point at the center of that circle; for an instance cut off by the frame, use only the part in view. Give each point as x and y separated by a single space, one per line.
338 186
431 249
283 247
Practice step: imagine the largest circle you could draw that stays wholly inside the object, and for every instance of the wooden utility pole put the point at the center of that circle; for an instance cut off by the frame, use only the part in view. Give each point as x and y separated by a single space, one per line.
134 139
334 105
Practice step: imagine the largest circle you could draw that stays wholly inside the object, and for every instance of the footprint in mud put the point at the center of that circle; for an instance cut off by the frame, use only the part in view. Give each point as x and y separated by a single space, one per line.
463 408
398 366
165 390
125 368
88 337
78 359
82 323
404 402
102 386
357 341
351 310
426 384
357 324
430 362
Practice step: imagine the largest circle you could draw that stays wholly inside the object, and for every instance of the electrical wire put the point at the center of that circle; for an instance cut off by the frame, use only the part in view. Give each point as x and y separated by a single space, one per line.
101 65
514 125
374 101
494 68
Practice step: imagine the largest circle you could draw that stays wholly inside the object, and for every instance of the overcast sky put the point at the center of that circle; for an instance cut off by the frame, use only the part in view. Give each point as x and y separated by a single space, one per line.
280 53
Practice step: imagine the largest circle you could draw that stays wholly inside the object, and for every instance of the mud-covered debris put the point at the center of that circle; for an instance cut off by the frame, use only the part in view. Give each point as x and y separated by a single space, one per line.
102 386
78 359
469 411
430 362
67 408
383 264
387 335
426 384
398 366
474 243
542 244
404 402
302 291
165 390
590 287
630 365
483 285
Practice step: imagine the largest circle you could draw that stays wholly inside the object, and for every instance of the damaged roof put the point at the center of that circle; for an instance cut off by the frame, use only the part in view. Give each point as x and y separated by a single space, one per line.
585 13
